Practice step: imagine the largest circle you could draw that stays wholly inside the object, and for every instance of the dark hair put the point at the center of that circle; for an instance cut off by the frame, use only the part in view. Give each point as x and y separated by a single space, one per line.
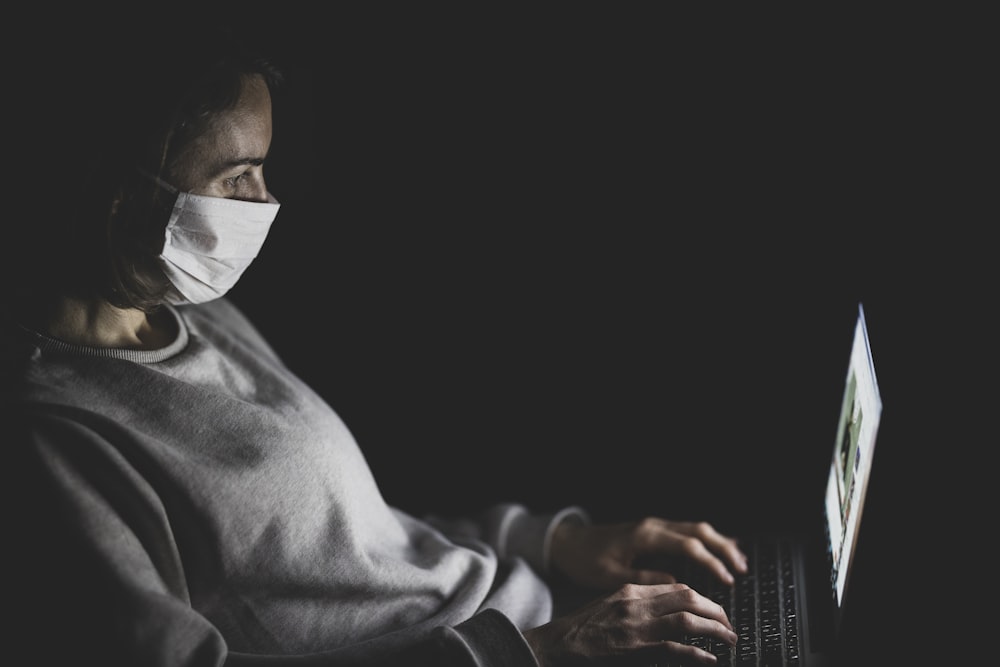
142 97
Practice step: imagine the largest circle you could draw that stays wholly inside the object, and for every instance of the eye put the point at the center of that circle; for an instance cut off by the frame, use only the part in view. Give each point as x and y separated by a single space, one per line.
233 182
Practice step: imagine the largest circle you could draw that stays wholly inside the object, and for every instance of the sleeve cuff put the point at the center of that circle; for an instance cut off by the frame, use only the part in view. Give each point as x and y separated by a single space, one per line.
488 639
530 536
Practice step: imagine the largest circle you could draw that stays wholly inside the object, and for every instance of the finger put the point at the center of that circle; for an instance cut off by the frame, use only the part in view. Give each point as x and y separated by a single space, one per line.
686 624
696 540
731 552
717 543
673 652
650 592
695 549
684 600
648 577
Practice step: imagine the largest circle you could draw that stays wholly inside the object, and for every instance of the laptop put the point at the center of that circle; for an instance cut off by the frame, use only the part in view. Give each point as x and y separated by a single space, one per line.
789 610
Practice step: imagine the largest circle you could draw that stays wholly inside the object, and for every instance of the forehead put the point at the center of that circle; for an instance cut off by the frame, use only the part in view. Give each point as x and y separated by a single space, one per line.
240 135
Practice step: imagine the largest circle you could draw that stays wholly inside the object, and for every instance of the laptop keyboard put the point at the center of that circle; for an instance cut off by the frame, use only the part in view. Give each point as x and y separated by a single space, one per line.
761 606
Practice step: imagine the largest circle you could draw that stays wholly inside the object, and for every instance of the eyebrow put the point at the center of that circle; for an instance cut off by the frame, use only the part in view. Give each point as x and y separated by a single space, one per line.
222 167
240 161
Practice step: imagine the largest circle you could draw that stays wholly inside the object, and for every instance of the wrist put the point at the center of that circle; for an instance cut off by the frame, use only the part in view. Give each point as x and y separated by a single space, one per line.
540 644
564 536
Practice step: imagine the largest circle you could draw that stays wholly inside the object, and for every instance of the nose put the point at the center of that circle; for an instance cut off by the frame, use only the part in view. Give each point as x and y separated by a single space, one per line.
257 188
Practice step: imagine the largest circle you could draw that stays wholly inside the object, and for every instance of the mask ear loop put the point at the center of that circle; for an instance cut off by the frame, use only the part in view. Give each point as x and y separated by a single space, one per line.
159 181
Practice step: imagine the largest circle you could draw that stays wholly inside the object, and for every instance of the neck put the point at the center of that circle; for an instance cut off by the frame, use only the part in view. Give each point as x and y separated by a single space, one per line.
96 323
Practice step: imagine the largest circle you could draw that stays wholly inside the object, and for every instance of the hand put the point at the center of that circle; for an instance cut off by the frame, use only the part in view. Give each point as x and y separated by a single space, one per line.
636 624
607 556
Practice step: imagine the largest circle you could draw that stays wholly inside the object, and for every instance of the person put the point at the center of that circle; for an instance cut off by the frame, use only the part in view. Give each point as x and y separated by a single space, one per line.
192 501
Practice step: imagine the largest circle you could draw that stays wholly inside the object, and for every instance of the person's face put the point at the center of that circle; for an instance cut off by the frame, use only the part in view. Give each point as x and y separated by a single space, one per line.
228 159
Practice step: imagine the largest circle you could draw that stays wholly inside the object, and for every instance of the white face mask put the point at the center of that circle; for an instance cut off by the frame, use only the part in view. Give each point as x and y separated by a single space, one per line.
210 241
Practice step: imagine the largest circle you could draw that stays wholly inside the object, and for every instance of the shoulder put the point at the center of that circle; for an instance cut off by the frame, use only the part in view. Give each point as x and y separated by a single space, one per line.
218 317
225 324
220 312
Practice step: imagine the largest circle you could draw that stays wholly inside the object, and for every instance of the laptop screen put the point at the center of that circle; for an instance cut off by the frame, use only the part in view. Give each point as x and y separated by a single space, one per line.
852 459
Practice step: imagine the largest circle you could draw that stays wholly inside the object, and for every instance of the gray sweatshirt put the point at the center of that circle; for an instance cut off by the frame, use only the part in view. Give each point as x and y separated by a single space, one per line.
213 509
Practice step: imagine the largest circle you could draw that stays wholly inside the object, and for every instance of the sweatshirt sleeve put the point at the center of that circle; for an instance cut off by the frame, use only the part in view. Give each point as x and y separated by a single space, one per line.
512 530
488 639
98 577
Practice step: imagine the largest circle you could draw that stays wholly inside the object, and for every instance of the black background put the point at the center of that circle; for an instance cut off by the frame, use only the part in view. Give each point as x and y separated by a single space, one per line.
616 259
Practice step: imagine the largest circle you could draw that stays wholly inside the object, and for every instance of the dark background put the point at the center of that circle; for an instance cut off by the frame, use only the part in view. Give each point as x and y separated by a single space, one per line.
614 258
617 262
